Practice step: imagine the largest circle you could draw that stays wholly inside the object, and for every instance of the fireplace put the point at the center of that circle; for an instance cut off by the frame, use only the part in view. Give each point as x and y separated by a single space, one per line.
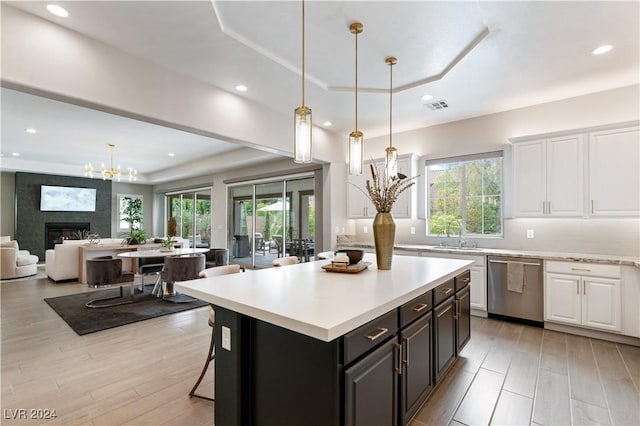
56 232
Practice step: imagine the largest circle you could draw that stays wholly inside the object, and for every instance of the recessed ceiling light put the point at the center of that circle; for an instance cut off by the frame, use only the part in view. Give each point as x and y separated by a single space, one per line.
15 154
426 97
327 123
57 10
602 49
30 130
241 88
171 154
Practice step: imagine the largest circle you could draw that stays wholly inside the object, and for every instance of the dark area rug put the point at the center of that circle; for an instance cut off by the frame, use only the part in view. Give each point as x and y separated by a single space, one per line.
85 320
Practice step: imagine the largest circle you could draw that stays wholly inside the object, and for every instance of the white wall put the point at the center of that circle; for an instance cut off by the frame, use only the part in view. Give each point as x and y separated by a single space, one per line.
616 236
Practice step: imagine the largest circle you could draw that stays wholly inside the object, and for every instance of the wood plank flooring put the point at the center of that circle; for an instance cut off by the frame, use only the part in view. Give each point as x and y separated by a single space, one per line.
140 374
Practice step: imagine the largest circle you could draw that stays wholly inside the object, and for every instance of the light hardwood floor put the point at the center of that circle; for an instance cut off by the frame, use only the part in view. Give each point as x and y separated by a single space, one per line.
140 374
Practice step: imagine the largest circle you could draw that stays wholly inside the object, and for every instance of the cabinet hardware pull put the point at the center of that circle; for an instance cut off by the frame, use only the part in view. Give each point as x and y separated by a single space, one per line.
405 361
455 309
420 307
380 333
513 261
577 286
584 288
398 366
548 207
543 210
591 206
581 269
447 291
466 280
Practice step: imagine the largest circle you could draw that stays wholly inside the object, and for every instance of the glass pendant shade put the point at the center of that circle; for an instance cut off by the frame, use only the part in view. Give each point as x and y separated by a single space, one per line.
302 135
356 153
391 161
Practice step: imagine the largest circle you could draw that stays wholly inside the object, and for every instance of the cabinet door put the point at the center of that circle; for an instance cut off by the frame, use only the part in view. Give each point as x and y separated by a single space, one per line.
417 367
478 288
601 304
565 176
563 299
529 179
463 318
614 172
371 388
356 200
402 207
444 337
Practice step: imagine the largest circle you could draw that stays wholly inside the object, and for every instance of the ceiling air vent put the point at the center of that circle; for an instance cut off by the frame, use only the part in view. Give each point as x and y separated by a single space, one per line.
433 106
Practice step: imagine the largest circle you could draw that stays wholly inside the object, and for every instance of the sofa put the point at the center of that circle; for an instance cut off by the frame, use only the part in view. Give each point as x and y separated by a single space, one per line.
16 263
63 261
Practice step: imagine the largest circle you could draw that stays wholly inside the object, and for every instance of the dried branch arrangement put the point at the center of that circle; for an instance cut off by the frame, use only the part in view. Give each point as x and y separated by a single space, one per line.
384 190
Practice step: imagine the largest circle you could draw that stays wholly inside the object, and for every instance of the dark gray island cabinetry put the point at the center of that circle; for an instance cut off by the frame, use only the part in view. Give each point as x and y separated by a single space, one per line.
297 345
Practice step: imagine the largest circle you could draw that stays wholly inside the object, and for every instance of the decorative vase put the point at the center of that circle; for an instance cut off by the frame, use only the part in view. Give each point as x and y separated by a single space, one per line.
384 233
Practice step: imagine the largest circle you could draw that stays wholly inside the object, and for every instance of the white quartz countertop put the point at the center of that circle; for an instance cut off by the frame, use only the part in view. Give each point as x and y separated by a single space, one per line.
546 255
325 305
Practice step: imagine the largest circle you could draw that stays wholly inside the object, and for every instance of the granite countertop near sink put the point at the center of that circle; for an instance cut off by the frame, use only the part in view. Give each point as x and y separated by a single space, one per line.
546 255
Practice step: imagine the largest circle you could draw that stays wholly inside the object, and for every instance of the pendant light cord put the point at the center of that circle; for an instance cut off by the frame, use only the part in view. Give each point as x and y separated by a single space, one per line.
390 102
303 53
356 81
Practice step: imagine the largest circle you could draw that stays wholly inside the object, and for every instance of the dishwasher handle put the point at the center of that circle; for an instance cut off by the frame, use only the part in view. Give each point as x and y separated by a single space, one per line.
514 261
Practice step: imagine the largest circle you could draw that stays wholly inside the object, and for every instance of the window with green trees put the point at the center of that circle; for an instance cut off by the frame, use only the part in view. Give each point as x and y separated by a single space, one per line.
465 194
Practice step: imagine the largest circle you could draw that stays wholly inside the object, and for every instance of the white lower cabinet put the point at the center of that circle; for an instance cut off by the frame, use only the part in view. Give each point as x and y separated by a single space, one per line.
478 288
583 294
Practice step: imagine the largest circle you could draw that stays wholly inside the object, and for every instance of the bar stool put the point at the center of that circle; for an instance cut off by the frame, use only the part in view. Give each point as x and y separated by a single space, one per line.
212 272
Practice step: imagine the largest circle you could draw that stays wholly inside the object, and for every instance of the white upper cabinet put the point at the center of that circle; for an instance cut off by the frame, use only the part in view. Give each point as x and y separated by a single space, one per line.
359 205
548 177
614 172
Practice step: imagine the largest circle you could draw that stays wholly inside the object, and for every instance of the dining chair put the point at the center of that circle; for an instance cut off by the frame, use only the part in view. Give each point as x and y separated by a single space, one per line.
106 271
181 268
283 261
207 273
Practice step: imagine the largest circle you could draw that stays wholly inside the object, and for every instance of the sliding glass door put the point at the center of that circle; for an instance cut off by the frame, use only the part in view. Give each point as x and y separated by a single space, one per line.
269 218
192 211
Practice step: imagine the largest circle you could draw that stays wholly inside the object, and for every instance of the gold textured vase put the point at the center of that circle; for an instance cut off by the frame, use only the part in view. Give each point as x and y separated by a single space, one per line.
384 233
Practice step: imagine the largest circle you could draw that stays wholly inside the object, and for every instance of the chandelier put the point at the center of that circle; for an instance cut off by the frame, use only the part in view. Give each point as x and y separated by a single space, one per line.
302 120
110 173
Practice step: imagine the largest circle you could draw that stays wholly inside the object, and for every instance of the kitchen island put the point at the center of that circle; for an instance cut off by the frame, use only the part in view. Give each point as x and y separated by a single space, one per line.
291 341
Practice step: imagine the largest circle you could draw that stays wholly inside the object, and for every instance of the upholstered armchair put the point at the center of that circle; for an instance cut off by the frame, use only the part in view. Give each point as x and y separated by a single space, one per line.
16 263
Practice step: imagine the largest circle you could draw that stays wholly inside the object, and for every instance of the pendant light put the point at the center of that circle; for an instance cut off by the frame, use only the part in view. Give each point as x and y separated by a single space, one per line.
356 142
302 120
391 157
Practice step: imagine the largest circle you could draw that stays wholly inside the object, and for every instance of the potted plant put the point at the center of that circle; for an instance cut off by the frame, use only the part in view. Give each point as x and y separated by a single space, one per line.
132 214
169 243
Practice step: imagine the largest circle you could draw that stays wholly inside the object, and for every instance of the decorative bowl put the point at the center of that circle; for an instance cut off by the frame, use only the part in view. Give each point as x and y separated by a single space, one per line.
355 256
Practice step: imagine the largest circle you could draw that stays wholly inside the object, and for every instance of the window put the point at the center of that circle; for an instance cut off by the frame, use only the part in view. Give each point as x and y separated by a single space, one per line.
465 194
123 218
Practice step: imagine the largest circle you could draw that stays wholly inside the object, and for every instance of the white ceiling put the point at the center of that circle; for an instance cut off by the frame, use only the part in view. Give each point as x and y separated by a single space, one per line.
480 57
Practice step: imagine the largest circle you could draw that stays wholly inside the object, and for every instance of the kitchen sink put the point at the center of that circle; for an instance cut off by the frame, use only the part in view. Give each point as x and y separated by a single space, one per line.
463 248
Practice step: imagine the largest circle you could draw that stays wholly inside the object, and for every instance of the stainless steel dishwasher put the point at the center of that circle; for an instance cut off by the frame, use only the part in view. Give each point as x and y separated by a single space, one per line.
515 289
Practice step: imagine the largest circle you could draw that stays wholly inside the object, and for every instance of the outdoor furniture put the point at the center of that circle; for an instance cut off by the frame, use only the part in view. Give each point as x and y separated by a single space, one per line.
258 243
301 248
180 268
105 272
279 245
212 272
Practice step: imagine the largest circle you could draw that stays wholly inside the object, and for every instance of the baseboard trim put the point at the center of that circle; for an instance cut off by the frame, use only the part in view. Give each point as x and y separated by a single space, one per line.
586 332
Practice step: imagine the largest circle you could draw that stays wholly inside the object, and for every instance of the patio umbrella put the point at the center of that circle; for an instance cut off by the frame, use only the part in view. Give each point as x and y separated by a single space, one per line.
275 207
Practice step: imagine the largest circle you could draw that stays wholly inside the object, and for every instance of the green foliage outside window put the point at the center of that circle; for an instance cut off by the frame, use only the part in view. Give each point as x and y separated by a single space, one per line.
467 195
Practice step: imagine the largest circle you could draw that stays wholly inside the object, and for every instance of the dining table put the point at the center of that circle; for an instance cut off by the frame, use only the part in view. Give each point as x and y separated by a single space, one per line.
138 255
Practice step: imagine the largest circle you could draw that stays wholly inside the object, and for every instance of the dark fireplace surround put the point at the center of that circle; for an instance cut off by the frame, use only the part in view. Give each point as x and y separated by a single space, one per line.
57 232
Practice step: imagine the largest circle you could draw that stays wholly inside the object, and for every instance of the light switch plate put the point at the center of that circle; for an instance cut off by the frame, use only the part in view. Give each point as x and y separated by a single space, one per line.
226 338
365 230
413 230
530 233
